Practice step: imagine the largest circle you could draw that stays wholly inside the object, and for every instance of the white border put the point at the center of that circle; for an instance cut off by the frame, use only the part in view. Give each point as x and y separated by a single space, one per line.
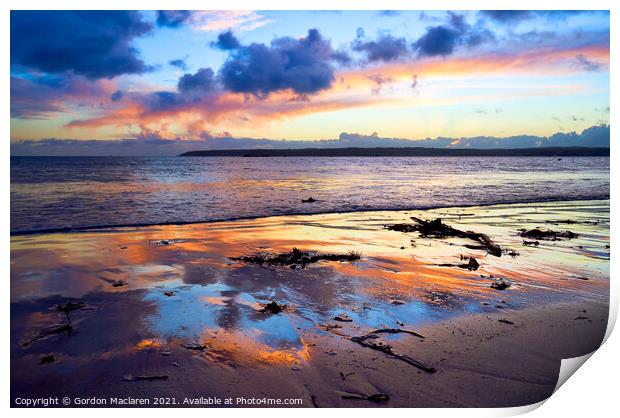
593 392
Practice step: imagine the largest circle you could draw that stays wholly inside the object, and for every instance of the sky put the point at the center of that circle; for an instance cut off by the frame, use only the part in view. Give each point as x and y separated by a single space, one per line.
189 76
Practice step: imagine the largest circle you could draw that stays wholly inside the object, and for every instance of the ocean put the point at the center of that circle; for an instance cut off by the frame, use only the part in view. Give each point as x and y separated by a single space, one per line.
64 193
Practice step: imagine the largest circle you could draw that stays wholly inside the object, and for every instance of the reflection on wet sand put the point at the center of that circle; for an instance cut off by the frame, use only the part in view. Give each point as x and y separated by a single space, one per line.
180 287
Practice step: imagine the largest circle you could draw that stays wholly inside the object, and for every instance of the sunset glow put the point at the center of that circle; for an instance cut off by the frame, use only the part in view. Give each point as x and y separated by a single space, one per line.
274 75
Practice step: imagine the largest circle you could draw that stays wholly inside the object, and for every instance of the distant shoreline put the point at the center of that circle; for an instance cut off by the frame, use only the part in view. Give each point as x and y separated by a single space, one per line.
405 152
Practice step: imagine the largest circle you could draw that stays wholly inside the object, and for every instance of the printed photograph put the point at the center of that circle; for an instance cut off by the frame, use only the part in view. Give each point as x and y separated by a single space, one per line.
306 209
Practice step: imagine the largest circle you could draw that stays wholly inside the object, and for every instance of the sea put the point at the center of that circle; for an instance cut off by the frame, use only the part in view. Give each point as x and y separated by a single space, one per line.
68 193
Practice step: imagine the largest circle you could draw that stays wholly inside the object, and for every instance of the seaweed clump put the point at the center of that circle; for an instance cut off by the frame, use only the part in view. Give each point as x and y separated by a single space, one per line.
297 258
546 234
436 228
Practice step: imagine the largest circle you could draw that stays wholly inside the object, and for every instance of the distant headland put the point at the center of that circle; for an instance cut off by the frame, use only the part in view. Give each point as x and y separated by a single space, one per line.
405 152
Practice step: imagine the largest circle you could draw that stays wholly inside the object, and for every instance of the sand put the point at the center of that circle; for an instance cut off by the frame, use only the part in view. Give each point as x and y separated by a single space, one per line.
189 317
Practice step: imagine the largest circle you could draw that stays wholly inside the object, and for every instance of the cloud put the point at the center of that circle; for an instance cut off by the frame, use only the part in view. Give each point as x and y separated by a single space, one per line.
303 65
389 13
222 108
178 63
505 16
386 48
94 44
583 62
442 40
199 84
173 18
42 97
222 20
226 41
117 96
515 16
380 80
151 143
438 40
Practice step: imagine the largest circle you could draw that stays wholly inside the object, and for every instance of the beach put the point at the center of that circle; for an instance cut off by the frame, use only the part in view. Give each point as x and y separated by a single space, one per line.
363 315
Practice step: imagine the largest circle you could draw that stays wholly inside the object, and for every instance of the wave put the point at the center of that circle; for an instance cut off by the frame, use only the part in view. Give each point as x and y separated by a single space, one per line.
108 227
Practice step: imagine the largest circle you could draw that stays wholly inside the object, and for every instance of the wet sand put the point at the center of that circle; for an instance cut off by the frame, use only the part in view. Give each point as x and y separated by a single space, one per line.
168 302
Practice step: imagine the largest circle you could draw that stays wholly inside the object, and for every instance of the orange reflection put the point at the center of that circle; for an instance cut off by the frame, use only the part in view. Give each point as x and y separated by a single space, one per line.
238 348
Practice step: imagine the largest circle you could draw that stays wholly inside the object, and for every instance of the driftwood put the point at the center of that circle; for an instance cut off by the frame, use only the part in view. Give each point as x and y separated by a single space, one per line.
197 347
436 228
70 306
376 397
132 378
344 376
51 330
505 321
371 341
396 331
343 317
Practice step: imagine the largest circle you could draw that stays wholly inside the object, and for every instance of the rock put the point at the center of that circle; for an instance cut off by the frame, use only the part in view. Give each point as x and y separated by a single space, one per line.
272 307
47 359
501 284
343 317
473 264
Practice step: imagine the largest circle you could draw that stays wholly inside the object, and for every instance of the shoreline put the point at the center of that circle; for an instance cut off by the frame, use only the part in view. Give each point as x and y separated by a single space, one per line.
258 217
180 311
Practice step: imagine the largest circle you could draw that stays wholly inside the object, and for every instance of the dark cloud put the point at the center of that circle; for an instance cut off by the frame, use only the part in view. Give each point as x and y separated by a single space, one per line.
505 16
94 44
199 84
172 18
162 101
117 96
438 40
303 65
386 48
514 16
192 89
178 63
478 36
226 41
442 40
583 62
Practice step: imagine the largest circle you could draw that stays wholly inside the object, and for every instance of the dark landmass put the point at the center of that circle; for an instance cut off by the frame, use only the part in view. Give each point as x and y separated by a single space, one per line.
404 152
